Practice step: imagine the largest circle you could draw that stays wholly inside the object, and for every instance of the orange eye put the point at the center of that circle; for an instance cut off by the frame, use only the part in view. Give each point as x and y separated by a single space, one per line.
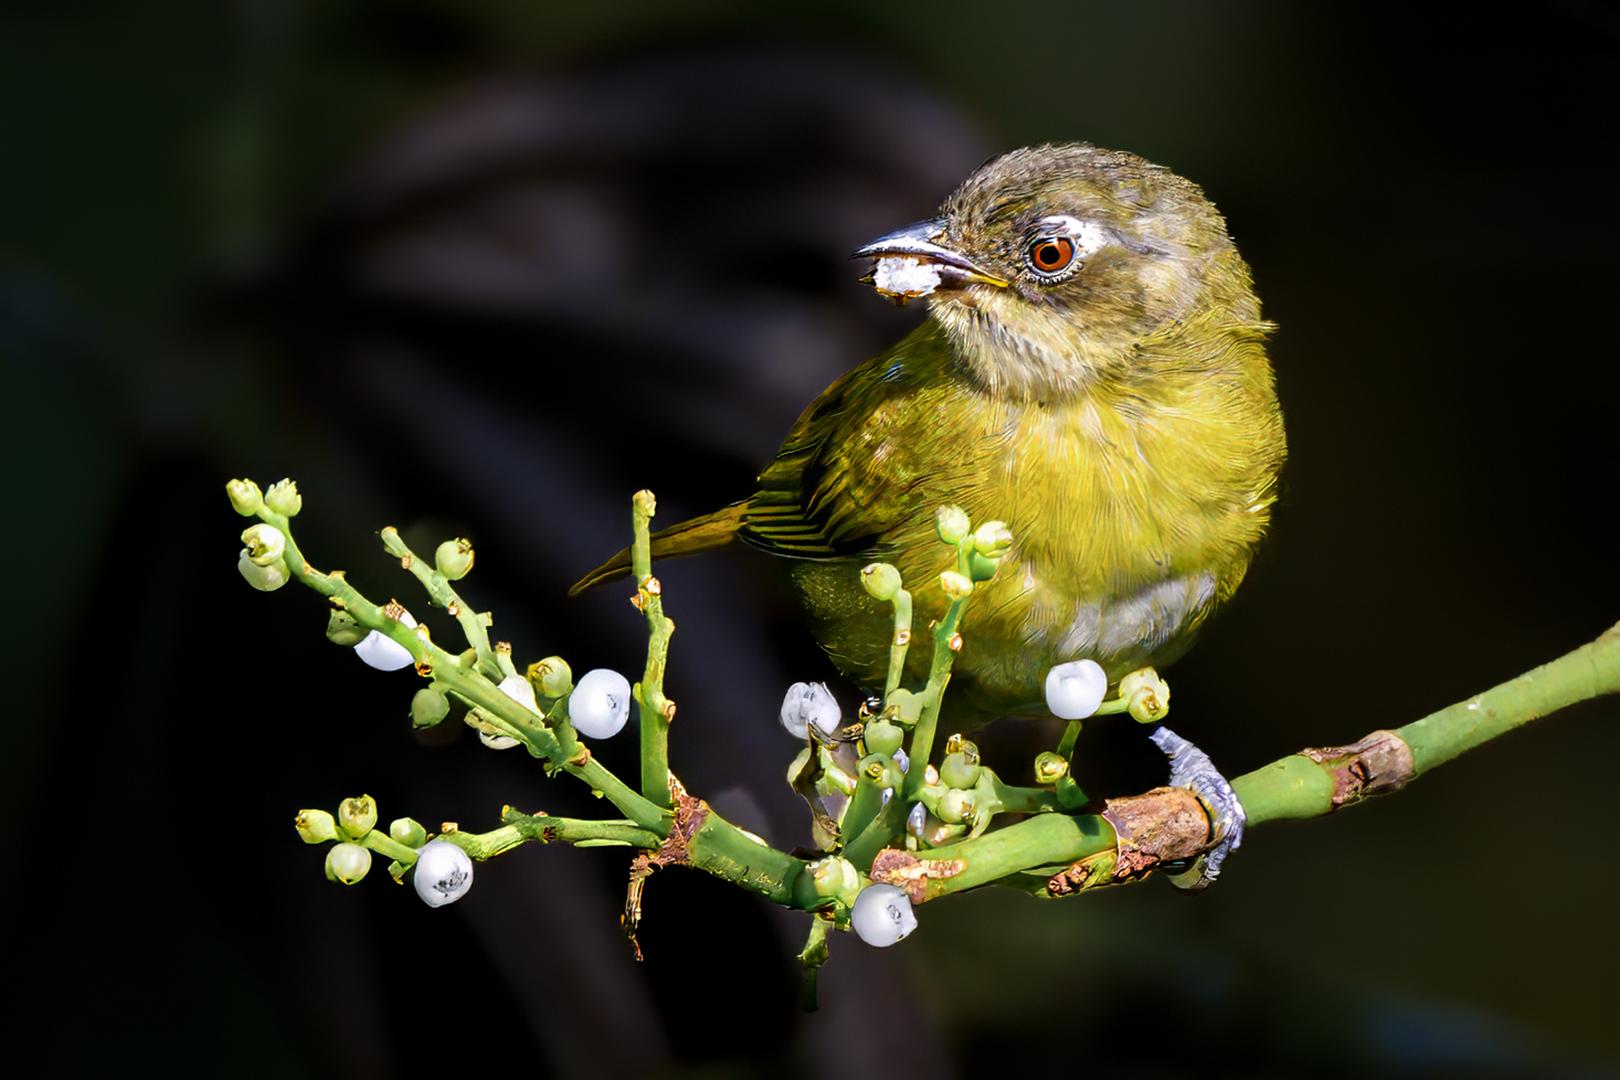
1049 255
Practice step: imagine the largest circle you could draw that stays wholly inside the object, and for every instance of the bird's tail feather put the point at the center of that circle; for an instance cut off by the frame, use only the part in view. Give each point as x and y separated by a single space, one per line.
688 538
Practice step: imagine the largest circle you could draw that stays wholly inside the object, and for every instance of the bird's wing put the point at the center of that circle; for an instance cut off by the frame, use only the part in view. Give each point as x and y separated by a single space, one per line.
837 489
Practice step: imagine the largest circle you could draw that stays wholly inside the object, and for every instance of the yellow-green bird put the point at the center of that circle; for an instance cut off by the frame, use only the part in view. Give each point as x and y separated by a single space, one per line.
1093 372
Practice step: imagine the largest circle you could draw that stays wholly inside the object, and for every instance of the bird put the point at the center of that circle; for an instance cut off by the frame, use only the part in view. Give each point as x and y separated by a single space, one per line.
1093 372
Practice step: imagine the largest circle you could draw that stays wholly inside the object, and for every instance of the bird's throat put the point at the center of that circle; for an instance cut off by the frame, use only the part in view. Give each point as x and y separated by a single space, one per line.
1039 358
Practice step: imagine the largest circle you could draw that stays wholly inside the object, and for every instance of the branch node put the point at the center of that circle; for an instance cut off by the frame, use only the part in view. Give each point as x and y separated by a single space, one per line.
1376 764
1166 824
911 875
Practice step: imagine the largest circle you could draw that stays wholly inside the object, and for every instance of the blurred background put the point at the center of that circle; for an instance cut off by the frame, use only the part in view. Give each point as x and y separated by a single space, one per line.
485 269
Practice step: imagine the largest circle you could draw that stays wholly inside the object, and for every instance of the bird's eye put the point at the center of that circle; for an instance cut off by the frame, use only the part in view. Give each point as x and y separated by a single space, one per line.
1050 256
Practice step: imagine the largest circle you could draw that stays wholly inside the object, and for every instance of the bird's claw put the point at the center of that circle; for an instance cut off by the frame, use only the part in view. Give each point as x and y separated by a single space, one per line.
1191 768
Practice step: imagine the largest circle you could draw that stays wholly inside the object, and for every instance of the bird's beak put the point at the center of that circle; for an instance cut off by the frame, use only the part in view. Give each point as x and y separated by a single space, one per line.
920 241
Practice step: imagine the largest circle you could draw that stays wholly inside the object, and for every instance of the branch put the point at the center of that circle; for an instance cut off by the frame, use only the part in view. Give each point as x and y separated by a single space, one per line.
944 812
653 710
1137 834
464 680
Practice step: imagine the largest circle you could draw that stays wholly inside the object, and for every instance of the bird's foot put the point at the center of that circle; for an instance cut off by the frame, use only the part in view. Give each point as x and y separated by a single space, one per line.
1191 768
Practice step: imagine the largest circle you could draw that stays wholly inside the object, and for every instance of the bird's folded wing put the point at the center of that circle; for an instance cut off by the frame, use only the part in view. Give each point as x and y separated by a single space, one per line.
810 502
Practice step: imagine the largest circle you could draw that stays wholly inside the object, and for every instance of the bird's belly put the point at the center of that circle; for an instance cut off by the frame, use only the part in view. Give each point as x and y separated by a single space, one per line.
1015 630
1122 630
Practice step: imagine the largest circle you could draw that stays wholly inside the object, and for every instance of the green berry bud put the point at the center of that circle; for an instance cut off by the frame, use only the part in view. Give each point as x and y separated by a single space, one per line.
883 737
992 539
358 815
552 677
344 629
408 831
981 568
245 497
834 876
882 770
1050 767
960 770
264 578
957 586
1148 695
881 581
283 498
956 806
952 524
265 544
315 826
454 558
347 863
428 707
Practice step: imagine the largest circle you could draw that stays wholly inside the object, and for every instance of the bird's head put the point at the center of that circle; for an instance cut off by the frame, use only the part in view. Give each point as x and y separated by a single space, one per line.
1050 265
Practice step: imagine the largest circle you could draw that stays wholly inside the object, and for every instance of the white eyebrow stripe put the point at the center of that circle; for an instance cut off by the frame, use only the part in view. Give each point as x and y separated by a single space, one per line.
1088 236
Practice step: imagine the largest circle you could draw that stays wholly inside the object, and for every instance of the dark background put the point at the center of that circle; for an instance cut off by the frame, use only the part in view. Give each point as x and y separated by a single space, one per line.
484 268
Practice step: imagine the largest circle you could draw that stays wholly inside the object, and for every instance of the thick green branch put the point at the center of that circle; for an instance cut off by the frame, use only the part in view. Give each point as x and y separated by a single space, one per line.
1309 784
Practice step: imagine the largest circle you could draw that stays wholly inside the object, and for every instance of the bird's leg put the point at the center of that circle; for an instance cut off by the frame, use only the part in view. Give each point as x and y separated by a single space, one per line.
1191 768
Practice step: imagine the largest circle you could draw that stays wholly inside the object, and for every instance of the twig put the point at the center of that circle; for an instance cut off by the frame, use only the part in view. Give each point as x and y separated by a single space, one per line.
653 709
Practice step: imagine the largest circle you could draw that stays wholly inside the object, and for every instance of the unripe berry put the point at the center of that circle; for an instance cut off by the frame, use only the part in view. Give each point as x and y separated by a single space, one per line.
428 707
245 497
952 524
315 826
454 558
283 498
357 815
881 581
408 831
882 737
347 863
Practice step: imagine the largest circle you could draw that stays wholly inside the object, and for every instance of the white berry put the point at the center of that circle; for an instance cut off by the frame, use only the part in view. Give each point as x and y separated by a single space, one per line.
810 703
882 916
1075 690
600 703
443 873
383 652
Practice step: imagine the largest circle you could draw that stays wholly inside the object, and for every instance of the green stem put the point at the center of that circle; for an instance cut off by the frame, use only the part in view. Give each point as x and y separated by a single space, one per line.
521 828
386 845
900 643
863 805
470 685
1025 800
653 710
811 957
939 676
473 624
888 824
720 848
1070 796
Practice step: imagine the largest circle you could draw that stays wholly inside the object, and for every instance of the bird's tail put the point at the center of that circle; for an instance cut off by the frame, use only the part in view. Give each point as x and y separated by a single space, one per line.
688 538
